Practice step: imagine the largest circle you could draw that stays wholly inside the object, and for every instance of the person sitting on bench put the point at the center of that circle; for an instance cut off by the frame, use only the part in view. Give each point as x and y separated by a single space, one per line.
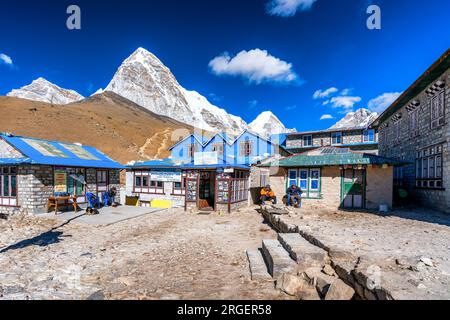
294 194
268 195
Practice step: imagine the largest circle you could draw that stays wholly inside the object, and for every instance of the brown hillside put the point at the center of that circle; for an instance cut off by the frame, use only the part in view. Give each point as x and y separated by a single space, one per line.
114 125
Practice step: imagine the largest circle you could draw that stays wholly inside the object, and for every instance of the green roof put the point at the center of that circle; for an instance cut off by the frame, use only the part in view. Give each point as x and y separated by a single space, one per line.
334 160
431 75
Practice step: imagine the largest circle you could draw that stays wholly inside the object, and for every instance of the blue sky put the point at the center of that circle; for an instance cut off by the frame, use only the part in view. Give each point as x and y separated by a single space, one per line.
301 59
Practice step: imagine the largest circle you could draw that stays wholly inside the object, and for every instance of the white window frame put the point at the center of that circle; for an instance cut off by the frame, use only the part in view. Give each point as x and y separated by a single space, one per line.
304 138
366 135
336 135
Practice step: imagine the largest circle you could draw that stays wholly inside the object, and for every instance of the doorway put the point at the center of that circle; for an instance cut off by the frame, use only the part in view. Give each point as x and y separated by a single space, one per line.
207 188
353 188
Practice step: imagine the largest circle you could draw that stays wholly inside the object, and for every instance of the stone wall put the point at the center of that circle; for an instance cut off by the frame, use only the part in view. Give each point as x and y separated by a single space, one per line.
323 139
379 188
408 146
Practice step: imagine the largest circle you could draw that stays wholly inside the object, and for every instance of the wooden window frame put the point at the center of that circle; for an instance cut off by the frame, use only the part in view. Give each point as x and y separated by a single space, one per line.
437 110
429 168
141 189
179 191
10 198
217 146
191 150
246 148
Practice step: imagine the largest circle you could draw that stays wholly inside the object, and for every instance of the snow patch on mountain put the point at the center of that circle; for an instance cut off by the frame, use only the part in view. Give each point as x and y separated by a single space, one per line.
361 118
45 91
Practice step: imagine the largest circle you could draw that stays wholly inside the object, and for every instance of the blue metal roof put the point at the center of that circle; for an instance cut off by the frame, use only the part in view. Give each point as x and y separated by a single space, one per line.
45 152
14 161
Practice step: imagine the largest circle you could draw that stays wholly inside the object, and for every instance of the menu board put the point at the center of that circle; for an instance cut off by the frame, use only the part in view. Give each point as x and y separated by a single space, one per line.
191 191
60 182
223 191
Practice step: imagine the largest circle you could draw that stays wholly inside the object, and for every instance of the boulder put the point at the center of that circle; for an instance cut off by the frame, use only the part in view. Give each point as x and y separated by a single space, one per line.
292 284
338 290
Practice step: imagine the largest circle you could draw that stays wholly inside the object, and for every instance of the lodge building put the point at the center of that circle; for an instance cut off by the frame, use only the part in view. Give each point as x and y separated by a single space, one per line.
416 129
33 170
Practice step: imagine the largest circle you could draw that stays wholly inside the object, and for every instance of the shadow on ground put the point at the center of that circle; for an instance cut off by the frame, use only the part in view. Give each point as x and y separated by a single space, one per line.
43 240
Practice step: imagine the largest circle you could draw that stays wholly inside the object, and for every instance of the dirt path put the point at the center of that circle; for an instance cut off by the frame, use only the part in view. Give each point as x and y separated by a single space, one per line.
167 255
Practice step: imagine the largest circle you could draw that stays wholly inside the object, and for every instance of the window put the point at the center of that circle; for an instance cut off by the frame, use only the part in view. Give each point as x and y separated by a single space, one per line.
191 150
429 168
307 141
264 178
218 147
314 184
396 127
75 186
369 136
309 181
8 186
179 188
246 149
398 176
437 110
143 183
102 177
336 138
414 122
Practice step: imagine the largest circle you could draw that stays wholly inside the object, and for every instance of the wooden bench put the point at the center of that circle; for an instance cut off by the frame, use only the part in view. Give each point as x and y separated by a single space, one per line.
54 202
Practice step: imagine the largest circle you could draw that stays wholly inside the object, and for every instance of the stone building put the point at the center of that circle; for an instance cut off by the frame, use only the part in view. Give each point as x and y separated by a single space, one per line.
416 128
356 139
32 170
333 177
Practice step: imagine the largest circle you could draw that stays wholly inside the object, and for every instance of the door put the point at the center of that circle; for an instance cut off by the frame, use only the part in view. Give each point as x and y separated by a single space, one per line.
207 189
353 188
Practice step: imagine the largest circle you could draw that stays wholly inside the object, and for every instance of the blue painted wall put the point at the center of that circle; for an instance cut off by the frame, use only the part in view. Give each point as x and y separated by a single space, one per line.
261 149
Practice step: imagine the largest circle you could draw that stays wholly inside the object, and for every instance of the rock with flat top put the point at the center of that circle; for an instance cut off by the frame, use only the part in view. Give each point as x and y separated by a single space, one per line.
292 284
338 290
304 253
277 258
258 268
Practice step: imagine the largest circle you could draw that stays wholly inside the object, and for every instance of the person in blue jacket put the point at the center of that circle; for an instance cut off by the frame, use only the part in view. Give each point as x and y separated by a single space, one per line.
294 194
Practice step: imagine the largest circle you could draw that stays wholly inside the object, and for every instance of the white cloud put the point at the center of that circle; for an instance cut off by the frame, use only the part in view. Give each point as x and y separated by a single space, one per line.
288 8
256 65
5 59
346 92
345 102
321 94
380 103
326 117
253 104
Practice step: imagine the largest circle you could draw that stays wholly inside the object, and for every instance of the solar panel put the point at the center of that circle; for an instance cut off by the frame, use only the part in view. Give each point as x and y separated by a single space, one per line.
79 151
45 148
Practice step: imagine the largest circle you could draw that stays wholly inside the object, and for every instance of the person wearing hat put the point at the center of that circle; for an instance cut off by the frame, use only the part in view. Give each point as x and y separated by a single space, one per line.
268 195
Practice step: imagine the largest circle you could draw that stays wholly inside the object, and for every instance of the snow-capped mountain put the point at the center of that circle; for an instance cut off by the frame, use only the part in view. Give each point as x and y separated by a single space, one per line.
212 117
146 81
143 79
267 124
361 118
45 91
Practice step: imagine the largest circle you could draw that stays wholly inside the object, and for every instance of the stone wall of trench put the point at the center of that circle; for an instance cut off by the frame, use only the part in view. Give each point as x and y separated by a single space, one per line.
354 271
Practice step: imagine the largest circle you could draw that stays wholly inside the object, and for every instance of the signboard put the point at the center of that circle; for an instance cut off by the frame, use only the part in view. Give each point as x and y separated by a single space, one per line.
165 176
60 182
206 158
229 170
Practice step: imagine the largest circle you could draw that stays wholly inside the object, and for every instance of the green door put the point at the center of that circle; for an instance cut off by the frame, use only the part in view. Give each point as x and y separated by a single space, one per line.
353 188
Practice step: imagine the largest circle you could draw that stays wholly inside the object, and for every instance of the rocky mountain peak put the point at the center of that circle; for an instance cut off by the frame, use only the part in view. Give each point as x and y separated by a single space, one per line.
44 91
361 118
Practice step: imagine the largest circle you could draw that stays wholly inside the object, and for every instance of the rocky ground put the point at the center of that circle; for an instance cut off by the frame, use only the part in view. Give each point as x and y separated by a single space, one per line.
407 251
167 255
